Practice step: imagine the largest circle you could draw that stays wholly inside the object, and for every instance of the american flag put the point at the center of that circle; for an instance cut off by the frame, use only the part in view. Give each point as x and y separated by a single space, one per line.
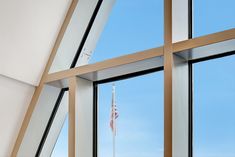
114 112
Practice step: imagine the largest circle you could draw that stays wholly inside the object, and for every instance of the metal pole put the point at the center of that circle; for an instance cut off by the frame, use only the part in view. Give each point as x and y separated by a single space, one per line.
113 144
114 120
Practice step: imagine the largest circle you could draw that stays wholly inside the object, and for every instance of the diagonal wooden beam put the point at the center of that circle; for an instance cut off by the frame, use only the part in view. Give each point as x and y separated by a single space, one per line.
39 88
167 50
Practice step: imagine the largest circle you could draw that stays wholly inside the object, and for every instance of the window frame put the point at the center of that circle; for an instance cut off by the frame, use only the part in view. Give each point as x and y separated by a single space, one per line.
96 83
191 111
190 76
63 90
95 99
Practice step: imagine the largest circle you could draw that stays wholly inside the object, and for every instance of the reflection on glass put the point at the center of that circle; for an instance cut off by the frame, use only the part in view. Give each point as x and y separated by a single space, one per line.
61 146
212 16
139 125
132 26
214 108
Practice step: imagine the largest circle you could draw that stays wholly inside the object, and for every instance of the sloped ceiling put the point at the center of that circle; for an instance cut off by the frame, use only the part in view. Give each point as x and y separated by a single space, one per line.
28 30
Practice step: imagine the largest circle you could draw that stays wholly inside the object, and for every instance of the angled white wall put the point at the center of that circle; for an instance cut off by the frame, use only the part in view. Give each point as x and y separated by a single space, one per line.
28 30
14 99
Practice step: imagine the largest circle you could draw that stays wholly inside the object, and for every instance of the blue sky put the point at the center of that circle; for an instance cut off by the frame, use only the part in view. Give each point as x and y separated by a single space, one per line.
212 16
61 147
214 86
214 108
140 121
138 25
132 26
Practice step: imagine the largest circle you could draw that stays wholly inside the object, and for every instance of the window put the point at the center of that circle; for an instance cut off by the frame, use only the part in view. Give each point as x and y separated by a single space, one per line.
212 16
139 103
61 146
214 108
132 26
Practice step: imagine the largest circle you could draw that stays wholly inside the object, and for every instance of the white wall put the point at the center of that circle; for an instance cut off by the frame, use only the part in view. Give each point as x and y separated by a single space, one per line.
14 99
28 30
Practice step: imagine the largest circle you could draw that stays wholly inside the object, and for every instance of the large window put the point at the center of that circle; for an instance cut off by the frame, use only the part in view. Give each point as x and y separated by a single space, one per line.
61 146
214 108
139 126
212 16
132 26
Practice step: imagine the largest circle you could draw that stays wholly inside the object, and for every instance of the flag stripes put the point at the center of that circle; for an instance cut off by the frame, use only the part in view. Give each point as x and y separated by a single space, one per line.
114 112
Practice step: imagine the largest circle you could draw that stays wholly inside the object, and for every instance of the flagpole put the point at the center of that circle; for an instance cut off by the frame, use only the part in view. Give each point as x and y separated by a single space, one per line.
114 121
113 144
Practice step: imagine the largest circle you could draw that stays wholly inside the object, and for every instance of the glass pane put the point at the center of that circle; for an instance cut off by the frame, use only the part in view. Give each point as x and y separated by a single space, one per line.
73 36
212 16
61 146
132 26
139 126
214 108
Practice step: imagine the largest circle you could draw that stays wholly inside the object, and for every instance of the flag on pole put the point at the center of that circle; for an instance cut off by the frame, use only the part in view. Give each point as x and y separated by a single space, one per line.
114 112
